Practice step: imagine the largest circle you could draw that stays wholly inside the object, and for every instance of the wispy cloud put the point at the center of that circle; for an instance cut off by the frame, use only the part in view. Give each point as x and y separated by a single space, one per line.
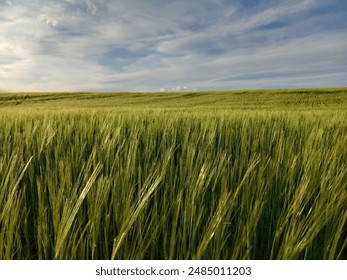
147 45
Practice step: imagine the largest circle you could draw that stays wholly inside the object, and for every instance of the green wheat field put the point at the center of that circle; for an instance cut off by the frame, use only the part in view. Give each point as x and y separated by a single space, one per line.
183 175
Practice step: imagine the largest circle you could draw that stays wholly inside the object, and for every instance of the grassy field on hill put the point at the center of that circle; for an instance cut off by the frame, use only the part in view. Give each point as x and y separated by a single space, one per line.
182 175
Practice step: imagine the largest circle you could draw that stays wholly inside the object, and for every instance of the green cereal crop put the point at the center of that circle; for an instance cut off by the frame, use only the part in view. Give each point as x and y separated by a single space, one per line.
181 175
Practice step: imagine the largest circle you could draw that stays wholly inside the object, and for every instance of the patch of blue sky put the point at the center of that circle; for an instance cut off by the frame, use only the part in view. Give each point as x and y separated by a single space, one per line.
250 4
68 31
272 25
117 58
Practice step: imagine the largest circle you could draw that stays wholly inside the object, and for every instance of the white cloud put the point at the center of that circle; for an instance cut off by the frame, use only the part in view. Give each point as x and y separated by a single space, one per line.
92 8
48 20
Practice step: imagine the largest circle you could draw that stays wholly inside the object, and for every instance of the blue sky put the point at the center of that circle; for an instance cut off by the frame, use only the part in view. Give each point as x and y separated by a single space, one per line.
151 45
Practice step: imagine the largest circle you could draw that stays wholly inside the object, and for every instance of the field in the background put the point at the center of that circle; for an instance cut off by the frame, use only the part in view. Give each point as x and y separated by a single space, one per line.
189 175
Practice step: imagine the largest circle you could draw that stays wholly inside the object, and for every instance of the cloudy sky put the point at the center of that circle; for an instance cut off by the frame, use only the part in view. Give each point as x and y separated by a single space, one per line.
135 45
